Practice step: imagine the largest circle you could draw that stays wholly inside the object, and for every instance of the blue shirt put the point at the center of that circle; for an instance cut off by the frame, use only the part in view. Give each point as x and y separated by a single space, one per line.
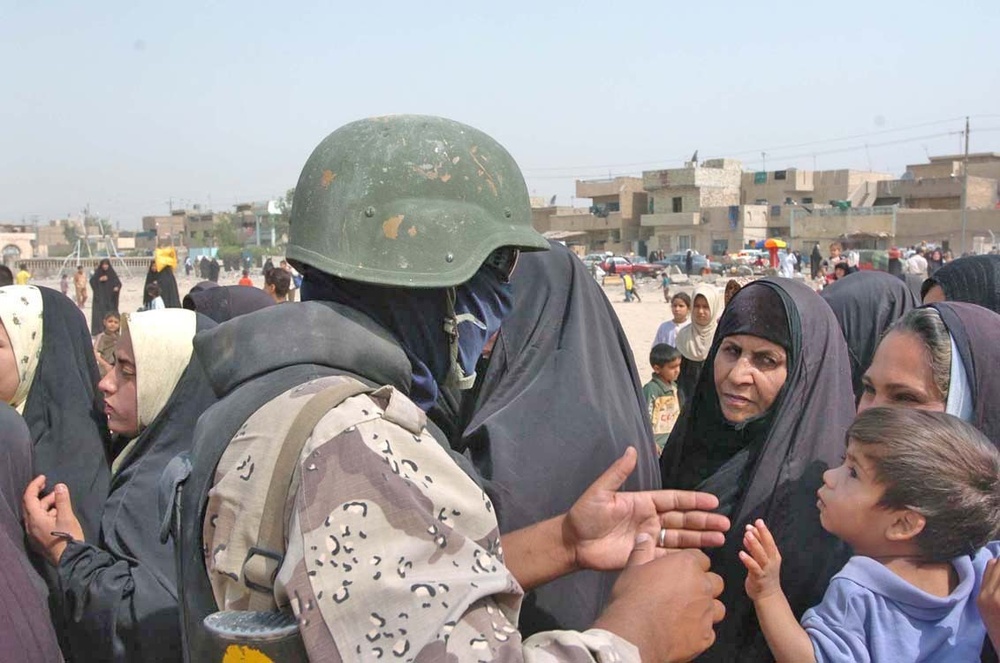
870 614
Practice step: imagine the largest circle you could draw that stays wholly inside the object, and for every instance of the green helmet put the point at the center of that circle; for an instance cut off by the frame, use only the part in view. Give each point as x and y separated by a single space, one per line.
408 200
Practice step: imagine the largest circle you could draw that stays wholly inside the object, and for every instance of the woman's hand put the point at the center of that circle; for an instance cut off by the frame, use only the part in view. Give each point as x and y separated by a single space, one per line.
601 527
49 521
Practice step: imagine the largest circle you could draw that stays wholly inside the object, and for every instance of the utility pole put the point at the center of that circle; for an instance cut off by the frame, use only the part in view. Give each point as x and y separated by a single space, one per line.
965 185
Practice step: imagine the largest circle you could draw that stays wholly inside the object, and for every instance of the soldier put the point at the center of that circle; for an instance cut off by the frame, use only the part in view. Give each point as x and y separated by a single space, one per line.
320 488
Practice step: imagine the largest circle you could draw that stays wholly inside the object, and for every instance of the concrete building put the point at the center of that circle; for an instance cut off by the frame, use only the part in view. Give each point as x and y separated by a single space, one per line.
939 184
610 224
698 207
172 229
17 242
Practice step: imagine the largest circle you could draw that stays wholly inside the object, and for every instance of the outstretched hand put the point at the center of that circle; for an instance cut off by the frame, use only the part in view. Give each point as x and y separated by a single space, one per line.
763 562
602 526
49 521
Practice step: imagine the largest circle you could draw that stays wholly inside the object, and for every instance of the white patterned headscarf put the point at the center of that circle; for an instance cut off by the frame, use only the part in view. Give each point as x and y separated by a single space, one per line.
21 315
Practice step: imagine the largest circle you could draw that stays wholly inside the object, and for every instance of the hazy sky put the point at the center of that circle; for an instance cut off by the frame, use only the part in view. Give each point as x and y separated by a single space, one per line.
128 105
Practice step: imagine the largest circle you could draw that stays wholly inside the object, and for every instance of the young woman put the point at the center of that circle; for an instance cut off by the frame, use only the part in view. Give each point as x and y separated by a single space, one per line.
120 586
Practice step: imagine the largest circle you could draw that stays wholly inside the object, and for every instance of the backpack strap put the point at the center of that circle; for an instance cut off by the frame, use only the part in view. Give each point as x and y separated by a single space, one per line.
264 559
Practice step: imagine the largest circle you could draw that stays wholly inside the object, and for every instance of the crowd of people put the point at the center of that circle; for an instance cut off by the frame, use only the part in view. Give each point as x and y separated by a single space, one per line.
450 454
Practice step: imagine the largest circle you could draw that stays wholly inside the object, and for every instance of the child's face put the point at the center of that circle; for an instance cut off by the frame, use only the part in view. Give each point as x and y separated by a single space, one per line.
111 325
680 310
670 371
848 504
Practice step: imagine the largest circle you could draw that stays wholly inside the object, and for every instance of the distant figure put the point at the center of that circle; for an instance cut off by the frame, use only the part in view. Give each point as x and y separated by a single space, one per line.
662 397
213 270
203 268
277 283
630 290
107 288
246 278
680 306
64 283
188 266
23 276
788 262
104 344
815 261
154 296
6 276
296 280
917 263
689 263
80 284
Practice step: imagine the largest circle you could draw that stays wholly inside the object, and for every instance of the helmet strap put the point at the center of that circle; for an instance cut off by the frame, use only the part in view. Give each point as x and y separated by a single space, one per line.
456 374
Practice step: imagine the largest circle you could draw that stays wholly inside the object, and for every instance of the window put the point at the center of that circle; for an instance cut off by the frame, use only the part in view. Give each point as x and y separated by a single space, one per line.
807 201
651 206
775 211
678 205
614 206
683 241
780 174
719 246
760 177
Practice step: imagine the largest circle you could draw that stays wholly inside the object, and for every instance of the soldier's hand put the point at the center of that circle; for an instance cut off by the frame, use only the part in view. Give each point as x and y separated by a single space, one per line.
665 605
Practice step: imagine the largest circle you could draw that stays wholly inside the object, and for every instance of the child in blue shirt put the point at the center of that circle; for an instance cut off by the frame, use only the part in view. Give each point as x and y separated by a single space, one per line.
918 500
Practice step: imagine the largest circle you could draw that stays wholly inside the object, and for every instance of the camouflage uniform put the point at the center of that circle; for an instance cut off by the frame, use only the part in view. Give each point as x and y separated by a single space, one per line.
392 550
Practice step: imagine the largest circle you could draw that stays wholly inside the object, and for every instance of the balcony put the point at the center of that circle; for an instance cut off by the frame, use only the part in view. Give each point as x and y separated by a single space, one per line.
585 222
674 220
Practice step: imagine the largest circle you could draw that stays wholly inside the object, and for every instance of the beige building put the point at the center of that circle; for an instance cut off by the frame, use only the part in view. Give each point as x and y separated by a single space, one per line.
172 228
939 184
698 207
17 242
610 224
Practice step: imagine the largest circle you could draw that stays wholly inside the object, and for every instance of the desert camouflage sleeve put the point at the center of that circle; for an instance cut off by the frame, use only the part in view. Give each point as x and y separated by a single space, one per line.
399 553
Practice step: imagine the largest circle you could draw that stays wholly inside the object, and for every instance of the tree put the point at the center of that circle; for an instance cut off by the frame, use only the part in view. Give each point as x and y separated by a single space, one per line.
225 230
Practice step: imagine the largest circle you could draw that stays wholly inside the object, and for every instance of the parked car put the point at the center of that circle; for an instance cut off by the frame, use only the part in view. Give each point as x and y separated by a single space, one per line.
637 268
698 262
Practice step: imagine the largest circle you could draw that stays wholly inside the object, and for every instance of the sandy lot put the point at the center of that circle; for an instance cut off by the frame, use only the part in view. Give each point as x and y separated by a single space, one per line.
640 320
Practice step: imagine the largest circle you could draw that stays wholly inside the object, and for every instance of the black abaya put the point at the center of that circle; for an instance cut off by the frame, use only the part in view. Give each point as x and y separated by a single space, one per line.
771 467
560 401
972 279
106 295
168 287
222 303
26 633
866 304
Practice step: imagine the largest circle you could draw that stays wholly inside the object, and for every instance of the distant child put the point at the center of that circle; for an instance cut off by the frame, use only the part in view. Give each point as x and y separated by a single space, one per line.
64 283
153 293
246 278
662 397
80 286
104 343
665 284
680 306
630 290
917 499
23 275
277 283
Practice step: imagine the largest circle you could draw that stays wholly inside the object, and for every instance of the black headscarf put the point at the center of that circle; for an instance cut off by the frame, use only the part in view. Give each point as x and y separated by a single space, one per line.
26 632
65 412
106 295
222 303
972 279
560 402
815 261
776 461
122 592
976 332
866 304
168 286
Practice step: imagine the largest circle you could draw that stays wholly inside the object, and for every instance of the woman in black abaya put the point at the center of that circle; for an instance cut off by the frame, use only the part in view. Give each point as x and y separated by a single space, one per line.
57 394
559 402
972 279
761 444
107 288
866 304
121 586
168 286
26 632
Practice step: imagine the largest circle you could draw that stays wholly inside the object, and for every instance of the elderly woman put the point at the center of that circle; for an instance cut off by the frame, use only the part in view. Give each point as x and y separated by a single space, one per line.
940 357
768 416
120 586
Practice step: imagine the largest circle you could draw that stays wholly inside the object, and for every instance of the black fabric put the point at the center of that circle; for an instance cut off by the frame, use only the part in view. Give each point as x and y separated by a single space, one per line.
866 304
213 271
65 412
759 313
976 331
688 378
26 632
223 303
972 279
560 401
815 261
106 295
122 592
774 467
168 287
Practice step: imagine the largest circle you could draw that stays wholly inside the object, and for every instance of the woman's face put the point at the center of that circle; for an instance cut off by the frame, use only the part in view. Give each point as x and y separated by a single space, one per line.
749 373
701 310
9 376
901 375
121 396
